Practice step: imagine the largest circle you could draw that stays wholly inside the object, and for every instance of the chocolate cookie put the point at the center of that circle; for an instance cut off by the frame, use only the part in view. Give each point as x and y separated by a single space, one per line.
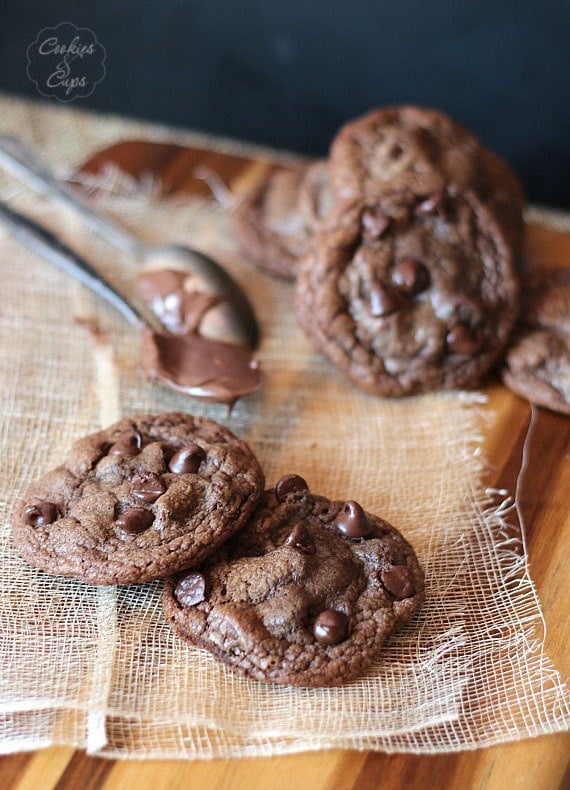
537 364
316 199
306 594
412 293
143 499
400 148
268 224
424 151
276 218
496 185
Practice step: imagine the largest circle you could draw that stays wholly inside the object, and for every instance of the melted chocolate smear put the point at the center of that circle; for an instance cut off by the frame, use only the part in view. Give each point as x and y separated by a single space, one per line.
178 310
199 367
182 358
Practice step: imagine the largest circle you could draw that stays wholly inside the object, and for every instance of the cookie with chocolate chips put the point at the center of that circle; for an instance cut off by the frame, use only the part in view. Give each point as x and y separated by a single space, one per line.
410 293
306 594
423 150
141 500
276 218
537 363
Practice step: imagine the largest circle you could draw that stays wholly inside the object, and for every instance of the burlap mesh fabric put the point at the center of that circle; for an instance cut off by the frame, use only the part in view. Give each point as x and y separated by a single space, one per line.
98 668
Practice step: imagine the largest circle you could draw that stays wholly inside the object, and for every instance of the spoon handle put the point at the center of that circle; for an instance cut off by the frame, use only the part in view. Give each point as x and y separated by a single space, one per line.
48 246
21 162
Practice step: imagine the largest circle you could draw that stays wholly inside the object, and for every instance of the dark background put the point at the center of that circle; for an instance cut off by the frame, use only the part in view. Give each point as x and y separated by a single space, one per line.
289 73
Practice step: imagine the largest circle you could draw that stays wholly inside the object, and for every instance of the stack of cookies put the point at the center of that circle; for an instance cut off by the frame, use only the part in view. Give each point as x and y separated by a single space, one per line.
282 585
403 247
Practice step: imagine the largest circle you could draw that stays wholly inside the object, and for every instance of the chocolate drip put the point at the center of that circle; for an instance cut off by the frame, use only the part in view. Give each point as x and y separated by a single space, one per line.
182 358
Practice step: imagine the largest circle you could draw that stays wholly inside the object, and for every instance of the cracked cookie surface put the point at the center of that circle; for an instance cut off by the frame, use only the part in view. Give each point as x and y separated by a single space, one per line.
414 292
306 594
143 499
423 150
395 147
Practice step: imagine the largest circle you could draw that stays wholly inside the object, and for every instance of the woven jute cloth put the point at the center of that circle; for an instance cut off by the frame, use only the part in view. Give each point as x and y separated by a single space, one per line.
99 668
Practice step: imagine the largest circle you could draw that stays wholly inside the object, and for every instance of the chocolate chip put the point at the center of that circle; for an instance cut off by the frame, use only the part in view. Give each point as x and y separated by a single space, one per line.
460 340
352 521
375 223
398 581
147 487
410 276
383 302
128 444
289 484
435 204
135 520
187 460
41 514
330 627
191 589
301 539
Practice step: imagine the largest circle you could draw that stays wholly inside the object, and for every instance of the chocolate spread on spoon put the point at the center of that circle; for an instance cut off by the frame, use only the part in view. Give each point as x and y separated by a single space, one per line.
183 358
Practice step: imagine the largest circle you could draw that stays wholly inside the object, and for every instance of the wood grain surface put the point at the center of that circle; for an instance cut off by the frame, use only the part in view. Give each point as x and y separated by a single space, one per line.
541 763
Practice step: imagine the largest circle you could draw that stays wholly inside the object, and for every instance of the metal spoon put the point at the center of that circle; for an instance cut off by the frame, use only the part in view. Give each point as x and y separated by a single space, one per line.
203 368
48 246
232 321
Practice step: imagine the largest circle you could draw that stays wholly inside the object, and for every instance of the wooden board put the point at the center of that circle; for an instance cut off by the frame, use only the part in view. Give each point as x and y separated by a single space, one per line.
540 763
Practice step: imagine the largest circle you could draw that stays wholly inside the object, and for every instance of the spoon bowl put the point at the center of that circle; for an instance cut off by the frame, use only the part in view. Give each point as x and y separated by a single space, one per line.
190 363
232 320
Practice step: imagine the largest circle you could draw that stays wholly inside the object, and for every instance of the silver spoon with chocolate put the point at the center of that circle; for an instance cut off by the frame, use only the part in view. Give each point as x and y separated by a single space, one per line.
230 318
186 361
